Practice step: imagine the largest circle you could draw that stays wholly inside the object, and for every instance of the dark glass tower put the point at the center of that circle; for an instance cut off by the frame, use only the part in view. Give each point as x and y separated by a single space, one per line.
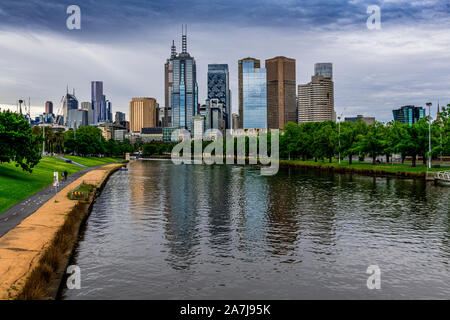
96 99
219 88
184 91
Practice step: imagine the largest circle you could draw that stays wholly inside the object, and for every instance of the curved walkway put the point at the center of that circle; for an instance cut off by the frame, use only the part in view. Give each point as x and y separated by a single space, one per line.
21 210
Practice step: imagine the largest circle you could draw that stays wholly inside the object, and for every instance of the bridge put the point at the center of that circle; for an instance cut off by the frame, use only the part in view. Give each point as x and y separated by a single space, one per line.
443 176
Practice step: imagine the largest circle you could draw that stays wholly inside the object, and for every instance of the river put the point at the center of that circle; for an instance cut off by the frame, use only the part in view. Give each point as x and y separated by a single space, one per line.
161 231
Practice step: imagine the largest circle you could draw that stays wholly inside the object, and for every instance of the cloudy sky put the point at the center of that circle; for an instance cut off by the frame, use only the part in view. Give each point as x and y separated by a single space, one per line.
125 44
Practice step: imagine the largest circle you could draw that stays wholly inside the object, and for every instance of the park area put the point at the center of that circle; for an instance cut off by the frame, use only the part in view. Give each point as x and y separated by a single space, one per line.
17 185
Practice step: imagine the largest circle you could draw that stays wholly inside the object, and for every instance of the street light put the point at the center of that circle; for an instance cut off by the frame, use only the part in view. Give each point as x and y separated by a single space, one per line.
429 104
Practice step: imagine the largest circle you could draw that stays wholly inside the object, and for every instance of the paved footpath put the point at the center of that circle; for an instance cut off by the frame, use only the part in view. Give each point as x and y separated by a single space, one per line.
18 212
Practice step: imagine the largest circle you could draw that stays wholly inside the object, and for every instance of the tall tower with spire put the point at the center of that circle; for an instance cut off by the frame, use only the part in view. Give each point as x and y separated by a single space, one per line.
181 85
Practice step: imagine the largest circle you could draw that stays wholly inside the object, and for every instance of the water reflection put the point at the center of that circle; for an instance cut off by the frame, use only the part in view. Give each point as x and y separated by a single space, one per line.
164 231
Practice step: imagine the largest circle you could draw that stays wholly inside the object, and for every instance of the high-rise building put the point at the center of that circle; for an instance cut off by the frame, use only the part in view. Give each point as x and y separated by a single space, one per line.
48 107
109 111
281 95
316 100
184 93
409 114
143 114
96 99
119 117
168 83
219 88
77 118
70 103
324 69
88 107
256 64
252 94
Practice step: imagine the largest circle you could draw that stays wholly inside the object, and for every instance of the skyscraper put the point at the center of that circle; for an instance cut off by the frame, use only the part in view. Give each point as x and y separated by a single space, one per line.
324 69
96 99
168 83
253 94
281 97
256 64
48 107
184 92
88 107
409 114
219 88
143 114
70 103
316 100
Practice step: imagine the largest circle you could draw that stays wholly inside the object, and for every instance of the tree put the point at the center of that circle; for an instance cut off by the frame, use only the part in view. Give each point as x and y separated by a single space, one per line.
325 140
350 133
373 142
17 143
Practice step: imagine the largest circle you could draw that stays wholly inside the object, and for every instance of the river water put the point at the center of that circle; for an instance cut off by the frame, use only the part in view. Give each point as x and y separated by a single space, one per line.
161 231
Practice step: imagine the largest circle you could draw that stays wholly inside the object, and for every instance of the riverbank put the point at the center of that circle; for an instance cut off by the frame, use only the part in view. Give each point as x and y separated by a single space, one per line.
34 255
366 168
17 185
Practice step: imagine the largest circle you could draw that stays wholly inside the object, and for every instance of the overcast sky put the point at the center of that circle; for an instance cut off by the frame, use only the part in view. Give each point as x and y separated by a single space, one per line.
126 43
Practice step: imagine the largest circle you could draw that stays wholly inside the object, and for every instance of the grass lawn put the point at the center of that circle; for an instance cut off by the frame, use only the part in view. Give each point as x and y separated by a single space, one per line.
16 185
368 166
91 161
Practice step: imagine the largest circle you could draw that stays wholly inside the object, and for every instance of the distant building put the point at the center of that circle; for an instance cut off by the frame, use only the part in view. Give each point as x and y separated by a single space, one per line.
119 117
324 69
96 99
252 94
88 107
151 134
70 103
316 100
184 92
168 134
235 121
281 95
77 118
143 114
359 117
168 84
409 114
48 107
219 88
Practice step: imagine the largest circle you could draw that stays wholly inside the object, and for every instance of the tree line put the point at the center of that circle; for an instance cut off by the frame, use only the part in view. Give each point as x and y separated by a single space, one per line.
325 140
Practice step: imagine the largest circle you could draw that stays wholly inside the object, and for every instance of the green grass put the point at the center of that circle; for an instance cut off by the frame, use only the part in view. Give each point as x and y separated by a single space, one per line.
91 161
16 185
362 165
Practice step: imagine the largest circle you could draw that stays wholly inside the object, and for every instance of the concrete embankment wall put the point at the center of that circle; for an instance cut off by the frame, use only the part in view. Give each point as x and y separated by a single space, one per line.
361 171
33 255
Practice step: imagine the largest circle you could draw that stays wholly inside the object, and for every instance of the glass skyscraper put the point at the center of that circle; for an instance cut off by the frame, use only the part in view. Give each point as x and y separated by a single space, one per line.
96 99
254 95
219 88
184 90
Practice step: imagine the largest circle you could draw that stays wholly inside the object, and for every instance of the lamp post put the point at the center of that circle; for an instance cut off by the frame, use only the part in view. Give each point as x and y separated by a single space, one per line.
339 137
429 104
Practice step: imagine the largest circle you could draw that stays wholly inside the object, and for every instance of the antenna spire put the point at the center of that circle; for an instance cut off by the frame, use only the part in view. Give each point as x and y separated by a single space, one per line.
184 38
173 50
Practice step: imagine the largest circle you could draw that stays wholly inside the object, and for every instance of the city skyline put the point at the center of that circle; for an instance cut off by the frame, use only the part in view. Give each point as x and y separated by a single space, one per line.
375 72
